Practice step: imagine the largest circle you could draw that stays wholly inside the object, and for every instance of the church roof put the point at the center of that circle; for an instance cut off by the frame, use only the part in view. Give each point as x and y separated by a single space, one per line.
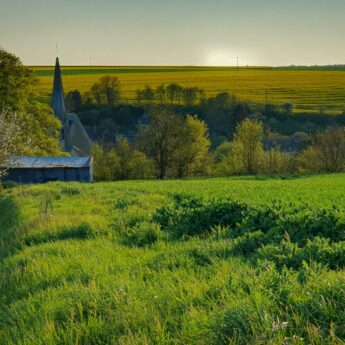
24 162
58 101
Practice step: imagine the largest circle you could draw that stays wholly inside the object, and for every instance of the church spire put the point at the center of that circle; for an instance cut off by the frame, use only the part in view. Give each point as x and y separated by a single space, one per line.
58 102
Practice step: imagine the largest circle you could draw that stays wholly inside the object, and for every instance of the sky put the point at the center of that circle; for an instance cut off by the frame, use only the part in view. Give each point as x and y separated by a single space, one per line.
174 32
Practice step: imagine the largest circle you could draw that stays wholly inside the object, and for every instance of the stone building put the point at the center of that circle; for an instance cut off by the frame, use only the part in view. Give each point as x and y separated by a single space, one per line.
74 138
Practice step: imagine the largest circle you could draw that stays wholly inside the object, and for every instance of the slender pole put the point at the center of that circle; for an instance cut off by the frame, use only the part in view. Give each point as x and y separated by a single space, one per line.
266 95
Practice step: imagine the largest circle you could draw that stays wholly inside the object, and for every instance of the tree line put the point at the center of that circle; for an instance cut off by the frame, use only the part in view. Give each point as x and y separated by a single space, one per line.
103 106
171 146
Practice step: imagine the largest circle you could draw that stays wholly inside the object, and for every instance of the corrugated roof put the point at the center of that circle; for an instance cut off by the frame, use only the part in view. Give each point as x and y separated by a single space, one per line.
24 162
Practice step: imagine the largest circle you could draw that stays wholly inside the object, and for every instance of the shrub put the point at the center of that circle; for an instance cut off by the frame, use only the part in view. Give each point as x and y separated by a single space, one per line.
144 234
248 243
193 218
318 250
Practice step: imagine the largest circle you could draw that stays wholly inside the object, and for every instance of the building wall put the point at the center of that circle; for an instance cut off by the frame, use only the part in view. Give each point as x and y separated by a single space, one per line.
49 174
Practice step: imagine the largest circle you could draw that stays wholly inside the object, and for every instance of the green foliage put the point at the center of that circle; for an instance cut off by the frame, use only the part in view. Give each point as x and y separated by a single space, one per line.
318 250
16 82
192 217
179 147
123 162
38 130
247 145
144 234
106 91
191 156
326 152
266 267
286 235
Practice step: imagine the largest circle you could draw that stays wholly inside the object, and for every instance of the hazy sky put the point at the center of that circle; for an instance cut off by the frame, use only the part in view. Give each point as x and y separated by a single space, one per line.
174 32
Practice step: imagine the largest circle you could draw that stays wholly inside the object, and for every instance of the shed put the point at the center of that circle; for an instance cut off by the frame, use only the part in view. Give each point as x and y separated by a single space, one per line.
44 169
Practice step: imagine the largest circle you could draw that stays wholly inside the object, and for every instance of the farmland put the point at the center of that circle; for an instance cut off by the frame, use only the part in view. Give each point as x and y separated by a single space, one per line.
308 89
211 261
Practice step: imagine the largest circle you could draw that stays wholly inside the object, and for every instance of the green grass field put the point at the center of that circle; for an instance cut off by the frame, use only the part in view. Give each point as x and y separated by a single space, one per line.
255 261
307 89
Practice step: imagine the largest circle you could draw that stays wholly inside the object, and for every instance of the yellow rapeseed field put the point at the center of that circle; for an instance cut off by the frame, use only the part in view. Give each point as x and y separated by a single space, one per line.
307 89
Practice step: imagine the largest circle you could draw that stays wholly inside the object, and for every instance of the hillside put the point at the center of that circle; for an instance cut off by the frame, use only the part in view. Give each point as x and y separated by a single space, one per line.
307 89
209 261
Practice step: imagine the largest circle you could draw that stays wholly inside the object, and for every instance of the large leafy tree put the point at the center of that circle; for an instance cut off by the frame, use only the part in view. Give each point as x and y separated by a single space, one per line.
17 100
248 146
106 91
123 162
191 155
178 146
160 140
326 152
16 82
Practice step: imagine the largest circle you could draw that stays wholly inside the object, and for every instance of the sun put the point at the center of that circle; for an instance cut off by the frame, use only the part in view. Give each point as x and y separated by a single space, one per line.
221 58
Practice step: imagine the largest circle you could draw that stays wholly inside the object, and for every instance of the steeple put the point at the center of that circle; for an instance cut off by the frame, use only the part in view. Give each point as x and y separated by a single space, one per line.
58 102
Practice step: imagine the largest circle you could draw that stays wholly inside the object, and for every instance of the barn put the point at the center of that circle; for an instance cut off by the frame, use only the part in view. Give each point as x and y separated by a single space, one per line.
44 169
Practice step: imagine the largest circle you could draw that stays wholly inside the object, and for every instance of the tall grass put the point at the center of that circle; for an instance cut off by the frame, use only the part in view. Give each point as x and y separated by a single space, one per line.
117 263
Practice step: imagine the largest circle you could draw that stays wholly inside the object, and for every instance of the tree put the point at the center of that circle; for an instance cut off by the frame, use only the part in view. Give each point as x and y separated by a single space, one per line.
160 139
288 108
240 113
106 91
73 100
190 95
191 155
248 145
225 101
9 129
147 95
123 151
38 131
308 161
226 161
174 93
17 83
122 162
278 162
161 94
43 129
326 152
105 163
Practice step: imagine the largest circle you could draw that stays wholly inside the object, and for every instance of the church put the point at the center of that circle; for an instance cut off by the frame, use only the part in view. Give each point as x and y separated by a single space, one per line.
73 138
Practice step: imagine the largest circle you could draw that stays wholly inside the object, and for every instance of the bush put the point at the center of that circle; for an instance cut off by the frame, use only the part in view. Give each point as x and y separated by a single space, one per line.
285 234
318 250
194 217
144 234
248 243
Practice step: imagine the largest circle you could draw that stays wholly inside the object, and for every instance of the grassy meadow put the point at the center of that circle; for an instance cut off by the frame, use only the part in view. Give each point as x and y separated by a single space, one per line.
308 89
205 261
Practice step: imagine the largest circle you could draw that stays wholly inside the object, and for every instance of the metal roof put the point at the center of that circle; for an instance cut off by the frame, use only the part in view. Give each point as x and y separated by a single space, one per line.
24 162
